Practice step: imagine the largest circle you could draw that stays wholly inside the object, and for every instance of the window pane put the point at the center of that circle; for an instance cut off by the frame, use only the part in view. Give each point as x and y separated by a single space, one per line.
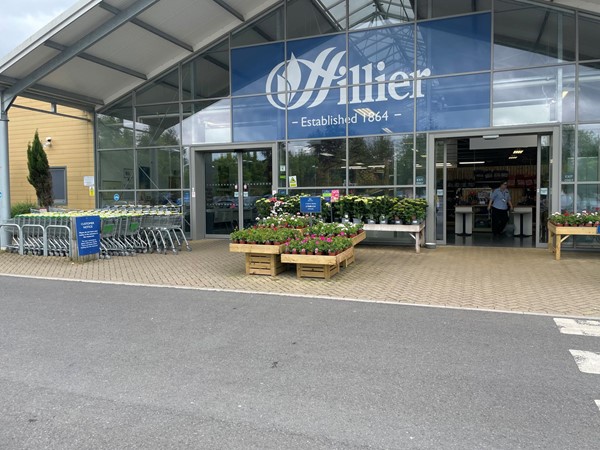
588 197
207 76
589 92
367 13
153 198
159 168
267 29
381 53
205 122
59 185
446 42
534 96
115 169
589 36
567 194
251 66
588 152
111 198
255 119
157 125
305 18
327 117
421 159
164 89
381 160
318 163
115 126
428 9
444 103
528 35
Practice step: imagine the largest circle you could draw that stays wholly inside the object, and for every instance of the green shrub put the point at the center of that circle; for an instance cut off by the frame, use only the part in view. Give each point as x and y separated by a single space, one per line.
22 208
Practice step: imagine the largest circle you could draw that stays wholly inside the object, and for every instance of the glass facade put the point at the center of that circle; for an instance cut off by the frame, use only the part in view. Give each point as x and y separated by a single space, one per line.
348 90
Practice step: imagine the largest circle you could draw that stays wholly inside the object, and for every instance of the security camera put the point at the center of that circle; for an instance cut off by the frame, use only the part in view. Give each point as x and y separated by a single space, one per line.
48 139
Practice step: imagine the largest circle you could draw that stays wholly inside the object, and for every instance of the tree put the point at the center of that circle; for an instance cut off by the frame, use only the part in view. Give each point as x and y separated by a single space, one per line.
39 172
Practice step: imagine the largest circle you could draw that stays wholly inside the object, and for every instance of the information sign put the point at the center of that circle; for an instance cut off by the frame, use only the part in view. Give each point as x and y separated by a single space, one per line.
88 235
335 195
310 205
116 197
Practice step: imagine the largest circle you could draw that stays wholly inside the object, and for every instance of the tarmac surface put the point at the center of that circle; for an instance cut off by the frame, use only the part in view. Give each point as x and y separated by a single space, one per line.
520 280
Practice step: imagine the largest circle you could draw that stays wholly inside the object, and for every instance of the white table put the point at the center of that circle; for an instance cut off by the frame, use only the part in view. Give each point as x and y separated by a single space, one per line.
463 222
523 221
417 231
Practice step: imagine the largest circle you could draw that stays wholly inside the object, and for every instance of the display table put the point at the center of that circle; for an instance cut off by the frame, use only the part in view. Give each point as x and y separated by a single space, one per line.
523 220
463 224
417 231
558 234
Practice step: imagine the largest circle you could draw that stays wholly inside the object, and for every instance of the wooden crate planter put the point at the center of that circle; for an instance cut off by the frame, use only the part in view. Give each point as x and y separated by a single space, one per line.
261 259
557 234
319 266
359 238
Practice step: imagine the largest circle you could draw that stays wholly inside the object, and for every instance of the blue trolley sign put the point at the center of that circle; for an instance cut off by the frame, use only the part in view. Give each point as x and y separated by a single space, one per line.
310 205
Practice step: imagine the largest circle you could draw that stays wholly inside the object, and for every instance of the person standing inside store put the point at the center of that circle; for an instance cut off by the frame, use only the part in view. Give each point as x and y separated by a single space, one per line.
500 205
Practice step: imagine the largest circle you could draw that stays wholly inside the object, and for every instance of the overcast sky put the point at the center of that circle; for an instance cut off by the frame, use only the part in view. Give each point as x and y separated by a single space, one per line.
19 19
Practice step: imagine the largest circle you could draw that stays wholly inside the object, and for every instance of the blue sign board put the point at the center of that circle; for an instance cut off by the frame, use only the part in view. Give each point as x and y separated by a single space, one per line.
88 235
310 205
116 197
365 82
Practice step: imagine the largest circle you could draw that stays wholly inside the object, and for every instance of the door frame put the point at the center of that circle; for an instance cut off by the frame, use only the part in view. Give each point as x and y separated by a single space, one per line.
198 192
554 131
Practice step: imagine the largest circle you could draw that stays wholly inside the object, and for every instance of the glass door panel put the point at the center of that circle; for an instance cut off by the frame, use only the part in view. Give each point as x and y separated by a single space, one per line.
544 192
221 192
235 178
257 181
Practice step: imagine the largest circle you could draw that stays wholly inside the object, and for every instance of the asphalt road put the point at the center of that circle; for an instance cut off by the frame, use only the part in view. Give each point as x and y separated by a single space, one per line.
100 366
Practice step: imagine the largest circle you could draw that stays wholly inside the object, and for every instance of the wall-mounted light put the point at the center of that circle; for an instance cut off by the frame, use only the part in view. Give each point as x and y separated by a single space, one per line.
48 142
491 136
472 162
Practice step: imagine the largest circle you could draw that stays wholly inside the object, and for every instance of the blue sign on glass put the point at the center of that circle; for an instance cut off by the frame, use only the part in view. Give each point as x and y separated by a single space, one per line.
88 235
310 205
116 197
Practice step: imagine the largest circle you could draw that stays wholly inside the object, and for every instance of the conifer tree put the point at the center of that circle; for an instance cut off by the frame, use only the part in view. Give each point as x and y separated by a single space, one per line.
39 172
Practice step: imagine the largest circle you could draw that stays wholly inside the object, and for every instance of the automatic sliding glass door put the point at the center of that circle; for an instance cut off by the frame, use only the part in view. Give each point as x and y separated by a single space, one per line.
233 182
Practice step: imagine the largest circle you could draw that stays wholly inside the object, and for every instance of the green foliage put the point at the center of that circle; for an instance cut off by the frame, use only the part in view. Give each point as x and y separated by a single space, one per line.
39 172
22 208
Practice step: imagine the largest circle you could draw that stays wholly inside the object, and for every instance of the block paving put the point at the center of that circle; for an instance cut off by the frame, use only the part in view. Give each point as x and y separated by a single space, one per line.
490 278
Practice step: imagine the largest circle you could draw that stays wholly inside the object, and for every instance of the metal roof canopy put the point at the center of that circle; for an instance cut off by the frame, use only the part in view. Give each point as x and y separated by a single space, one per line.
99 50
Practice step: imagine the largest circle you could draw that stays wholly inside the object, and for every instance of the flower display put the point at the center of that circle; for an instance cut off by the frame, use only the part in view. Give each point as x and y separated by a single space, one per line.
318 245
572 219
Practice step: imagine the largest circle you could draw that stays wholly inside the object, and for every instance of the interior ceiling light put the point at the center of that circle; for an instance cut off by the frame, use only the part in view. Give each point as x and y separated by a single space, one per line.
512 157
472 162
365 112
387 130
442 164
518 151
326 154
564 93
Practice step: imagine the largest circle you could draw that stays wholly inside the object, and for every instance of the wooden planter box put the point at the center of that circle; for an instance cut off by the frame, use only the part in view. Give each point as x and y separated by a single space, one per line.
261 259
359 238
319 266
557 234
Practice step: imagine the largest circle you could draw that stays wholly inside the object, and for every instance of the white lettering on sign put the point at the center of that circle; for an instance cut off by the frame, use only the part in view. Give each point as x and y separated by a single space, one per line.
326 70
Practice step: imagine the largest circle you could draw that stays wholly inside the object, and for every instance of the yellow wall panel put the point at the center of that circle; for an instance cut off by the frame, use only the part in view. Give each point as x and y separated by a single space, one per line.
72 147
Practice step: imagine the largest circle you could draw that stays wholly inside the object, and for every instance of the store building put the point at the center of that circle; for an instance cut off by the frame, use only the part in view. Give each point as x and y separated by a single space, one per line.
440 99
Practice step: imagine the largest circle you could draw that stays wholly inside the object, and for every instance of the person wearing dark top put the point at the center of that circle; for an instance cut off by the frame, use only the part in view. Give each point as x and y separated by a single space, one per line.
500 204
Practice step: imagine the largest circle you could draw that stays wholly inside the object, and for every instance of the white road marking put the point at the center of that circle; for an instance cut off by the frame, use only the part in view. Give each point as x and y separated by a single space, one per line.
579 326
588 362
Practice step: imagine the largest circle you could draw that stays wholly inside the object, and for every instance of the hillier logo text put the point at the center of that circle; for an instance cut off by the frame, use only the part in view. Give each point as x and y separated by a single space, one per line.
327 71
